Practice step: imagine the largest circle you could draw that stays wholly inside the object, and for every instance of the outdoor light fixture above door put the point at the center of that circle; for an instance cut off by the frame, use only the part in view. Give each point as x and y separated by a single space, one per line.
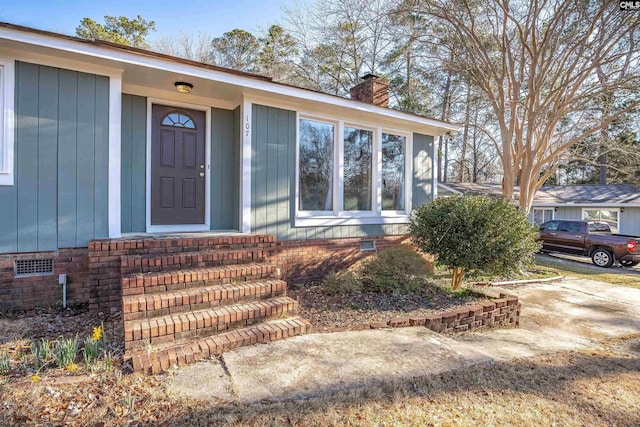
183 87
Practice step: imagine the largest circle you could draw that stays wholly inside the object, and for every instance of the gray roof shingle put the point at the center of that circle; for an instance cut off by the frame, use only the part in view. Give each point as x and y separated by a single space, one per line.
561 194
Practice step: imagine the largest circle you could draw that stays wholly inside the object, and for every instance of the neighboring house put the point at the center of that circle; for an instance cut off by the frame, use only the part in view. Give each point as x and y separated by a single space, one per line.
103 141
616 204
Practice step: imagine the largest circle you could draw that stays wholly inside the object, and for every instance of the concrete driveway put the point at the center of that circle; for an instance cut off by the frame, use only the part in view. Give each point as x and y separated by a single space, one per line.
570 314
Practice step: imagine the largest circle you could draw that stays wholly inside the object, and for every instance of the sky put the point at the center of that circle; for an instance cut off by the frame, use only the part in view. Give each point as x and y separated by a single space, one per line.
172 17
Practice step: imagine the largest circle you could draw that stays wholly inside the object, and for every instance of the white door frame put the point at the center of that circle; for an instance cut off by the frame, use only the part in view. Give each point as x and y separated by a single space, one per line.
173 228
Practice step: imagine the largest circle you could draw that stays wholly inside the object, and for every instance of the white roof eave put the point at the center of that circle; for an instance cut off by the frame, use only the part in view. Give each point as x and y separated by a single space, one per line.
134 58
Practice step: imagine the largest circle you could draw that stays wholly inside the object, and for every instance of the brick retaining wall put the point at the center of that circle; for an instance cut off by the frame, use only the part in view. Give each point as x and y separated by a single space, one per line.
494 312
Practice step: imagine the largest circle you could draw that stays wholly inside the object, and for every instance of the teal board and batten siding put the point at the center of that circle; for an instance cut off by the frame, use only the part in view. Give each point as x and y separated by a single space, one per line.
225 158
629 219
133 181
225 135
273 163
59 199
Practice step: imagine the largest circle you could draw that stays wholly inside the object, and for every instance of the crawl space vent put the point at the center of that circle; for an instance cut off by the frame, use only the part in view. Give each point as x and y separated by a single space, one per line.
368 245
33 267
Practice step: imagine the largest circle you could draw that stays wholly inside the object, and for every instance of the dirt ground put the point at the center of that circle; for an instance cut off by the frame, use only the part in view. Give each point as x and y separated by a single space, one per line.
595 385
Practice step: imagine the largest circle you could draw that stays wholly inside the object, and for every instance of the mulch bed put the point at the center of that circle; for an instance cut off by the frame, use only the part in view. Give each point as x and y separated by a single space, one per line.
331 313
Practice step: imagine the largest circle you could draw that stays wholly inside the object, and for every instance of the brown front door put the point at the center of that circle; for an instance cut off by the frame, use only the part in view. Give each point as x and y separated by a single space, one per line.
177 166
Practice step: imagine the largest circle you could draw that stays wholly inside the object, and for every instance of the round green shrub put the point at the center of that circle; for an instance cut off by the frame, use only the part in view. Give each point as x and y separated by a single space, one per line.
398 269
341 283
474 234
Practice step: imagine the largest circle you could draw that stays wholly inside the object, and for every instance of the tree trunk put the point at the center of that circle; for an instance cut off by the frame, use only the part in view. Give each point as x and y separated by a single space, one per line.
444 116
475 145
446 159
457 273
465 136
602 161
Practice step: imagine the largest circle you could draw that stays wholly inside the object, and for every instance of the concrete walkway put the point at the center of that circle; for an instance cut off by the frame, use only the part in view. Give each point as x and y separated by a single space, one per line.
571 314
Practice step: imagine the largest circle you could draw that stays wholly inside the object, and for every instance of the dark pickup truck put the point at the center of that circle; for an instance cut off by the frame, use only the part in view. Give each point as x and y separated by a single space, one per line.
593 239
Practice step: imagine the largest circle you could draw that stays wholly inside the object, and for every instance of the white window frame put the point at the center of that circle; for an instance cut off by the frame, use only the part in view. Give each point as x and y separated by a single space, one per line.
339 216
408 173
7 120
604 208
338 128
533 214
374 161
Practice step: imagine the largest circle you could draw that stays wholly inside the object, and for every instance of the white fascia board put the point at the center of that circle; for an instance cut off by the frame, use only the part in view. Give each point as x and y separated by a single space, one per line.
132 58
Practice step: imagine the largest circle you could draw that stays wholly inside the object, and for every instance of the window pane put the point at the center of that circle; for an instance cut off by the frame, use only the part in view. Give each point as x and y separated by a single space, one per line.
538 216
358 145
178 120
316 166
393 155
609 217
541 216
591 215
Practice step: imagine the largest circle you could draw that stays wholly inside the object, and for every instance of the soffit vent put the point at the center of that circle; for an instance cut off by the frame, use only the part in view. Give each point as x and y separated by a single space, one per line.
33 267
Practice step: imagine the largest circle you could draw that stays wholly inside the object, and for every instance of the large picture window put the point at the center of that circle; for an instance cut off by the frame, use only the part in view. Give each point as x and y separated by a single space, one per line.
350 174
316 165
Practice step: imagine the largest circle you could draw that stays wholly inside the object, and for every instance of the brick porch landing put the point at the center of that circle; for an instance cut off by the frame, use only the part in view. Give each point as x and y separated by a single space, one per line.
191 295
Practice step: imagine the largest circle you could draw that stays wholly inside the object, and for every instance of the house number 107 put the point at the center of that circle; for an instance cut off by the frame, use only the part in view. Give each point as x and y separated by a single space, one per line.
247 126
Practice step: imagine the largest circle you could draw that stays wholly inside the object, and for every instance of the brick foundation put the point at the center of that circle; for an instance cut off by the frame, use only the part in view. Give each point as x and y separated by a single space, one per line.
22 293
94 274
305 261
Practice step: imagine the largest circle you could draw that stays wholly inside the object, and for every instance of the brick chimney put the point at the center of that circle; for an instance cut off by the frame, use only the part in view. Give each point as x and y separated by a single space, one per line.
372 90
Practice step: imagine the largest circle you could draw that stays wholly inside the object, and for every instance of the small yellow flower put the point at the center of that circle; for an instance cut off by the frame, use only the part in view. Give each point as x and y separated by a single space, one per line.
72 367
35 378
97 333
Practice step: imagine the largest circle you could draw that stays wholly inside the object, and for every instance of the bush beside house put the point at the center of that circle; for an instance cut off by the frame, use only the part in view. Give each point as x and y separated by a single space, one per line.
474 234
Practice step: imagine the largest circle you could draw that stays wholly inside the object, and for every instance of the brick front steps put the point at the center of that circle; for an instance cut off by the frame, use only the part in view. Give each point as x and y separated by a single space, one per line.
165 357
187 297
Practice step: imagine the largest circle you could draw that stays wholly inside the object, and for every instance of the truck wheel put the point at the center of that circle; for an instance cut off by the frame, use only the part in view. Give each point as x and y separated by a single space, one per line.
626 263
602 258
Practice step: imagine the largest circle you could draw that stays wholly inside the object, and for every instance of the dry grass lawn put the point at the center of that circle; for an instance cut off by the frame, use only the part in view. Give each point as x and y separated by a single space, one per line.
585 388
